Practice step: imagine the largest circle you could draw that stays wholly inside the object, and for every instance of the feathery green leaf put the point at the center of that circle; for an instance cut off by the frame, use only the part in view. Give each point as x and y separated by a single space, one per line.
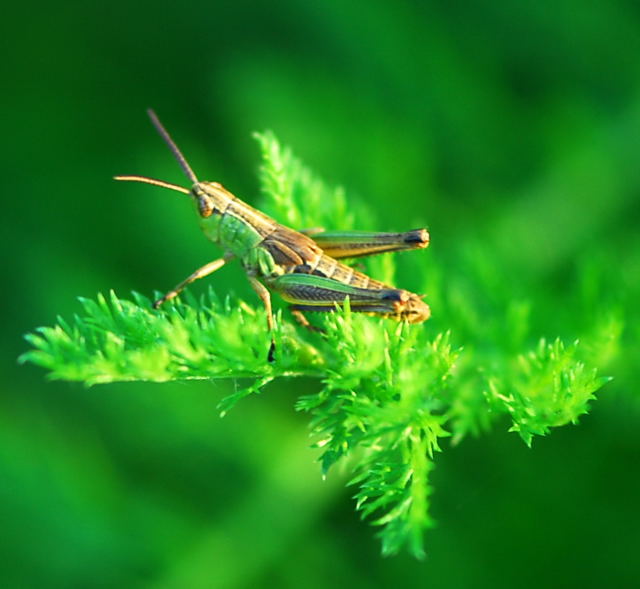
390 391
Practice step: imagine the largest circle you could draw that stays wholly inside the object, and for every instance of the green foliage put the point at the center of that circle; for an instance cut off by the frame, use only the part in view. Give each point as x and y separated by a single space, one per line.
294 195
389 392
547 388
121 340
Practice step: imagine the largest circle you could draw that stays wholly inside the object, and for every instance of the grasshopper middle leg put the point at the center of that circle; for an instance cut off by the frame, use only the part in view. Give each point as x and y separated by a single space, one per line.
302 320
265 297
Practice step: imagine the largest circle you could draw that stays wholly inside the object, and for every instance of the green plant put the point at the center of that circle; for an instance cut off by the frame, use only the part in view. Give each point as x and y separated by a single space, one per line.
389 392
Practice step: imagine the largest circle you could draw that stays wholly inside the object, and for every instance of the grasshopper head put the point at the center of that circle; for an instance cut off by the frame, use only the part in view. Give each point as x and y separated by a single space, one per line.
204 203
210 198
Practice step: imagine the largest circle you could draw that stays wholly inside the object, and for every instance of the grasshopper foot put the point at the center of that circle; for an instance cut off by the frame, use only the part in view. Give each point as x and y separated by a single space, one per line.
157 304
271 356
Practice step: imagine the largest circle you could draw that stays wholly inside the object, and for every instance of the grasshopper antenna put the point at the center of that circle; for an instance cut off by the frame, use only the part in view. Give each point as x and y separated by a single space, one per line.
186 168
154 182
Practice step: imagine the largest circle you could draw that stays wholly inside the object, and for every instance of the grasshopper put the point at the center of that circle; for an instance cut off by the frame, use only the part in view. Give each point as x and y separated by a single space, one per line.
302 266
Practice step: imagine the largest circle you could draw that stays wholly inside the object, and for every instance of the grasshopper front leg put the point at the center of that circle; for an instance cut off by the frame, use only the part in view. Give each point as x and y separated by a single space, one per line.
205 270
307 292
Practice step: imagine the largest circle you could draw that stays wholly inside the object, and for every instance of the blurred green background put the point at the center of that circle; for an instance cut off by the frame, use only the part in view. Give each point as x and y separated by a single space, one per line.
510 129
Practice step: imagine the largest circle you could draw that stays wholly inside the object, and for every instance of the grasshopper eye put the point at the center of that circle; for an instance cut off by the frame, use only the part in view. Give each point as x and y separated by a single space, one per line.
205 206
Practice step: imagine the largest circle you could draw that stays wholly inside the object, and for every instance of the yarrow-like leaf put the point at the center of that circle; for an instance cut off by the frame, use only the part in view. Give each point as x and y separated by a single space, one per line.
390 392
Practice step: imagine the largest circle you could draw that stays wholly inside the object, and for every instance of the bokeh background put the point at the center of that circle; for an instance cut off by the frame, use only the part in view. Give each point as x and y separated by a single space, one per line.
511 129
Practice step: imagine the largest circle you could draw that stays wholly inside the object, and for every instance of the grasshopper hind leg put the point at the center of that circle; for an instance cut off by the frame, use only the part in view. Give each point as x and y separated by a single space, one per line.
308 292
301 319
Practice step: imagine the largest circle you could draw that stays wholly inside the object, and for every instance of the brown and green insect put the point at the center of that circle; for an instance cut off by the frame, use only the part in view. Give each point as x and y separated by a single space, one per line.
302 266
